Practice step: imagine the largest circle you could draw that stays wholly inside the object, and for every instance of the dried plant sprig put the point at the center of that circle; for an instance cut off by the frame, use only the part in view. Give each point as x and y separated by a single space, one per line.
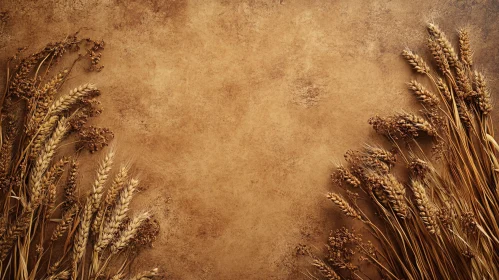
116 217
65 102
465 48
454 197
344 206
44 131
70 186
439 56
425 96
444 43
416 62
100 181
483 98
146 274
129 232
65 223
326 271
427 211
43 160
444 89
345 175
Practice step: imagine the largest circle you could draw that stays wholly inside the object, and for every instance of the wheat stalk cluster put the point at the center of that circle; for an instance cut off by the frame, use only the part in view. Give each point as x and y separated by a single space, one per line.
50 228
426 204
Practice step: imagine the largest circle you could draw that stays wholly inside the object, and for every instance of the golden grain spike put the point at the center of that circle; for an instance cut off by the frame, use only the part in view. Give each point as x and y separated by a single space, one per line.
65 102
427 211
344 206
465 48
416 62
483 98
445 45
425 96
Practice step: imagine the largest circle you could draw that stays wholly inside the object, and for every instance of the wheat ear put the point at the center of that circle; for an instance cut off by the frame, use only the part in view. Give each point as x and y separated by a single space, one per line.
426 210
91 205
118 182
44 159
42 135
465 48
325 270
344 206
129 232
416 62
145 274
424 96
117 216
65 102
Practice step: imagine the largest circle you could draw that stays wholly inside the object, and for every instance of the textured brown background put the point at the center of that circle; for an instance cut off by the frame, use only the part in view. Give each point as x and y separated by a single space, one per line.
234 112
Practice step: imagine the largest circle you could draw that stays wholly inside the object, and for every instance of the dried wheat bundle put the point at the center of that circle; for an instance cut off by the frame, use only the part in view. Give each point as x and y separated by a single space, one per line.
437 219
46 230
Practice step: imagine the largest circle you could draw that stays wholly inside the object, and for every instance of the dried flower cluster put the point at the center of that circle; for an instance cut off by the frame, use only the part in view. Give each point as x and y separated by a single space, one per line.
437 219
46 230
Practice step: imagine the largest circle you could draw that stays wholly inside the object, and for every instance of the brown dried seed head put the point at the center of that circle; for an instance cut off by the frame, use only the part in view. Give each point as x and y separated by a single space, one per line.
444 89
346 176
465 88
344 206
465 48
483 99
146 274
439 56
414 124
65 102
427 211
100 181
444 43
43 160
381 154
423 95
116 217
129 232
416 62
325 270
70 187
65 222
395 193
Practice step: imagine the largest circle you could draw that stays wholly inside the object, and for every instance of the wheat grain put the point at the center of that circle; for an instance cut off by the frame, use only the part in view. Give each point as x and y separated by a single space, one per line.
347 176
444 89
100 181
395 193
439 56
70 186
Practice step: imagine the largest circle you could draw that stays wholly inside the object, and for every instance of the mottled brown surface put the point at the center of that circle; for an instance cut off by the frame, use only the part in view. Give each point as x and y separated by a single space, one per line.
235 111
